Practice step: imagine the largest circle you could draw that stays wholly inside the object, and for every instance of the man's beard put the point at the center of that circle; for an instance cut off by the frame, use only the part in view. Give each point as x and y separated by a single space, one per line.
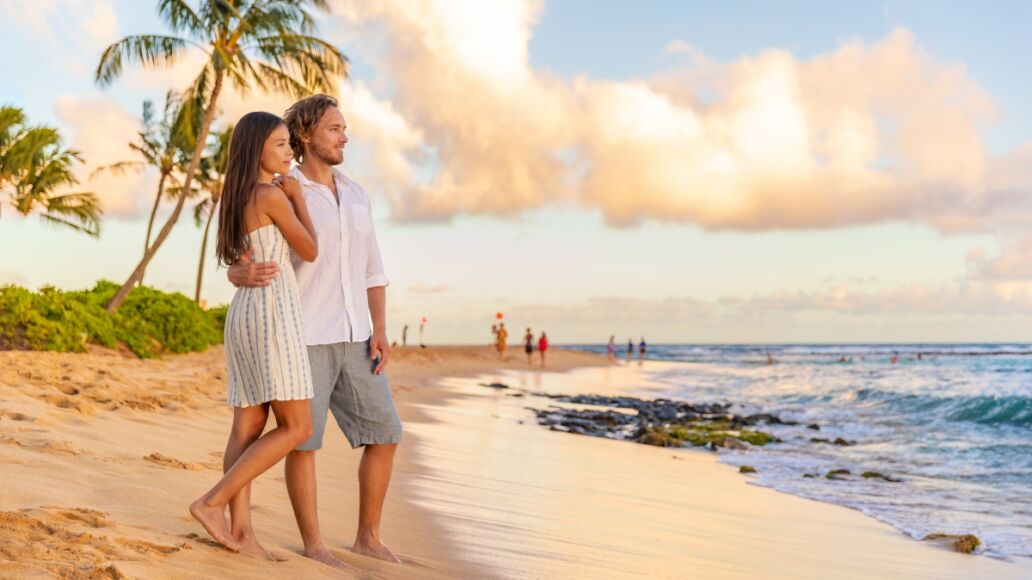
328 155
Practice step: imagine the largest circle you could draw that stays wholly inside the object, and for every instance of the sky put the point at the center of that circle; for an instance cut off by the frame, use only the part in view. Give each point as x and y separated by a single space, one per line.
683 172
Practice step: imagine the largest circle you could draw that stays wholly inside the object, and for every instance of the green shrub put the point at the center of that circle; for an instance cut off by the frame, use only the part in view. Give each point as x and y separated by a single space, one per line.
149 321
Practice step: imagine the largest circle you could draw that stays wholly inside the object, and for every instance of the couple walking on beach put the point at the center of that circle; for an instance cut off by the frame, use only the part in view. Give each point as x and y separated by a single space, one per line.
305 333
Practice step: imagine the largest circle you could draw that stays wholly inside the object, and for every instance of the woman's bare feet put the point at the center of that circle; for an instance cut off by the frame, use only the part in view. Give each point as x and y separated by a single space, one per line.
214 521
374 548
323 554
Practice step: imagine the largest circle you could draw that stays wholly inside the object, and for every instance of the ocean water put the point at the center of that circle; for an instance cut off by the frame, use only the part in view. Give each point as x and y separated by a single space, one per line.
953 421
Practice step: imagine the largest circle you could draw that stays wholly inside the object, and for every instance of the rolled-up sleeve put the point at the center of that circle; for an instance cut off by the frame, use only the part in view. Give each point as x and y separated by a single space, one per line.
375 275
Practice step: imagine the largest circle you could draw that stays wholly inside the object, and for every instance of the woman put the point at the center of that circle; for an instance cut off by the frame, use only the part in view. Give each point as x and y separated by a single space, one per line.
528 346
266 359
500 339
542 347
611 348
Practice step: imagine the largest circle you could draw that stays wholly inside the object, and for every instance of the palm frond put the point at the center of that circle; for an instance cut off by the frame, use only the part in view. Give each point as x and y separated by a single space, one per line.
308 60
146 49
201 211
180 17
80 211
11 118
27 146
119 168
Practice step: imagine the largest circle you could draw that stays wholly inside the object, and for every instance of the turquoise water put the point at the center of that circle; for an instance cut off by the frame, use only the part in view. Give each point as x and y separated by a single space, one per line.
953 421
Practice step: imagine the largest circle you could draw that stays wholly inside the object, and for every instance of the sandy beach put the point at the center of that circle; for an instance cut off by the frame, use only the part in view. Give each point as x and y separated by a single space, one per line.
101 454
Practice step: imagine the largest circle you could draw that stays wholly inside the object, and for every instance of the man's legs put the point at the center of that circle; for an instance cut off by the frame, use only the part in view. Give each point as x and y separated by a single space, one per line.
374 476
300 464
362 405
301 486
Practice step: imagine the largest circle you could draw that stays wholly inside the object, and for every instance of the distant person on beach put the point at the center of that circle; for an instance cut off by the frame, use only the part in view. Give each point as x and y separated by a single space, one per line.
630 348
422 327
770 359
404 336
543 347
343 306
642 347
503 335
267 367
611 348
494 334
528 345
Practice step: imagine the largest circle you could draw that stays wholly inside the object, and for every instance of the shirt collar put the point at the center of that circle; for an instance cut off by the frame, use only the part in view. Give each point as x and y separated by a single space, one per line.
338 174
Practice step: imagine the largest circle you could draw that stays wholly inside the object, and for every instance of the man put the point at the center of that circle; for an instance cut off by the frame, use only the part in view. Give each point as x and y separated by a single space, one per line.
341 291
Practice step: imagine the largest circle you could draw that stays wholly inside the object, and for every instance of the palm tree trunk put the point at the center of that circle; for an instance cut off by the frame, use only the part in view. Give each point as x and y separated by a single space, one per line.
204 250
153 213
195 162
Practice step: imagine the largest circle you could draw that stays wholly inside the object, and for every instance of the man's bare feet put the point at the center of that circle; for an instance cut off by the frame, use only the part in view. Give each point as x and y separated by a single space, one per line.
249 545
374 548
214 521
323 554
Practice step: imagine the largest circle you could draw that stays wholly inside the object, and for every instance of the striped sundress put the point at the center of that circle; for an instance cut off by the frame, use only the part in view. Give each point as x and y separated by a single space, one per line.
266 356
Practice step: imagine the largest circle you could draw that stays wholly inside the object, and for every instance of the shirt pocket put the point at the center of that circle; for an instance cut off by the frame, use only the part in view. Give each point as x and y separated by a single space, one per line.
361 218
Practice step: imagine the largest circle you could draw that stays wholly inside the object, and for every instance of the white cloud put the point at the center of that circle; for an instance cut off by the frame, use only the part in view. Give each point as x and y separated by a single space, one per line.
1012 264
866 133
90 25
101 129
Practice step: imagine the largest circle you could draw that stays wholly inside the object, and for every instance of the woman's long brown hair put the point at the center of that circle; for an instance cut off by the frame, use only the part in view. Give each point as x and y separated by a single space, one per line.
245 153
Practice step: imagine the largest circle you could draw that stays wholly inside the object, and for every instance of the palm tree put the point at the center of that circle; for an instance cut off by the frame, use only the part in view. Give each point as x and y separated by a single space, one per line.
33 165
267 44
164 145
214 170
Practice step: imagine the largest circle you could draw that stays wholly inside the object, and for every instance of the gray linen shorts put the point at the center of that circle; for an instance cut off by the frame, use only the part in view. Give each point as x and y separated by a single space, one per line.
361 402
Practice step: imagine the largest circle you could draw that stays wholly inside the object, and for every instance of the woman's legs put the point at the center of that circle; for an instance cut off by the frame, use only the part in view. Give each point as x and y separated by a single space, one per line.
293 427
248 424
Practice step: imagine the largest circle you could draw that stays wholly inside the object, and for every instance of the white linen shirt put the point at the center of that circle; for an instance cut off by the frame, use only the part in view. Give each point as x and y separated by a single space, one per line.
334 304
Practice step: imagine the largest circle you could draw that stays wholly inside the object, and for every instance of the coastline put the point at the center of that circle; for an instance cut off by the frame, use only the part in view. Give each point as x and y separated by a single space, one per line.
101 452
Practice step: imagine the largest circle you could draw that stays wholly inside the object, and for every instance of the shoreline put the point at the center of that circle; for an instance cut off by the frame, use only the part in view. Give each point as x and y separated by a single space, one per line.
900 554
479 489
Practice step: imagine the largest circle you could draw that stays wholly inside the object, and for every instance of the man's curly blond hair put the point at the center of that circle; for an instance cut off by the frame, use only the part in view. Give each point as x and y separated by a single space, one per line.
302 117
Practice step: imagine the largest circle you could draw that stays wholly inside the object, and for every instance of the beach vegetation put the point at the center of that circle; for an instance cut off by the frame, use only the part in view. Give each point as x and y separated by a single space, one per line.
151 322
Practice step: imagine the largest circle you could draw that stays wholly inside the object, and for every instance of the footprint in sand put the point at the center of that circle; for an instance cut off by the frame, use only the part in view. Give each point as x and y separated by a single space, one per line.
166 461
14 416
58 447
48 539
66 402
93 518
67 389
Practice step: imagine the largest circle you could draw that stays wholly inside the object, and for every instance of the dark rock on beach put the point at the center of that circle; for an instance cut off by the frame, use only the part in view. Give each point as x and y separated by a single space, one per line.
837 474
878 475
660 422
965 543
837 441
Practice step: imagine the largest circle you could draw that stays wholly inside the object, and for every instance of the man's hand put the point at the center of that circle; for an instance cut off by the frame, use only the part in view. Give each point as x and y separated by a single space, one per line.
379 348
247 272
